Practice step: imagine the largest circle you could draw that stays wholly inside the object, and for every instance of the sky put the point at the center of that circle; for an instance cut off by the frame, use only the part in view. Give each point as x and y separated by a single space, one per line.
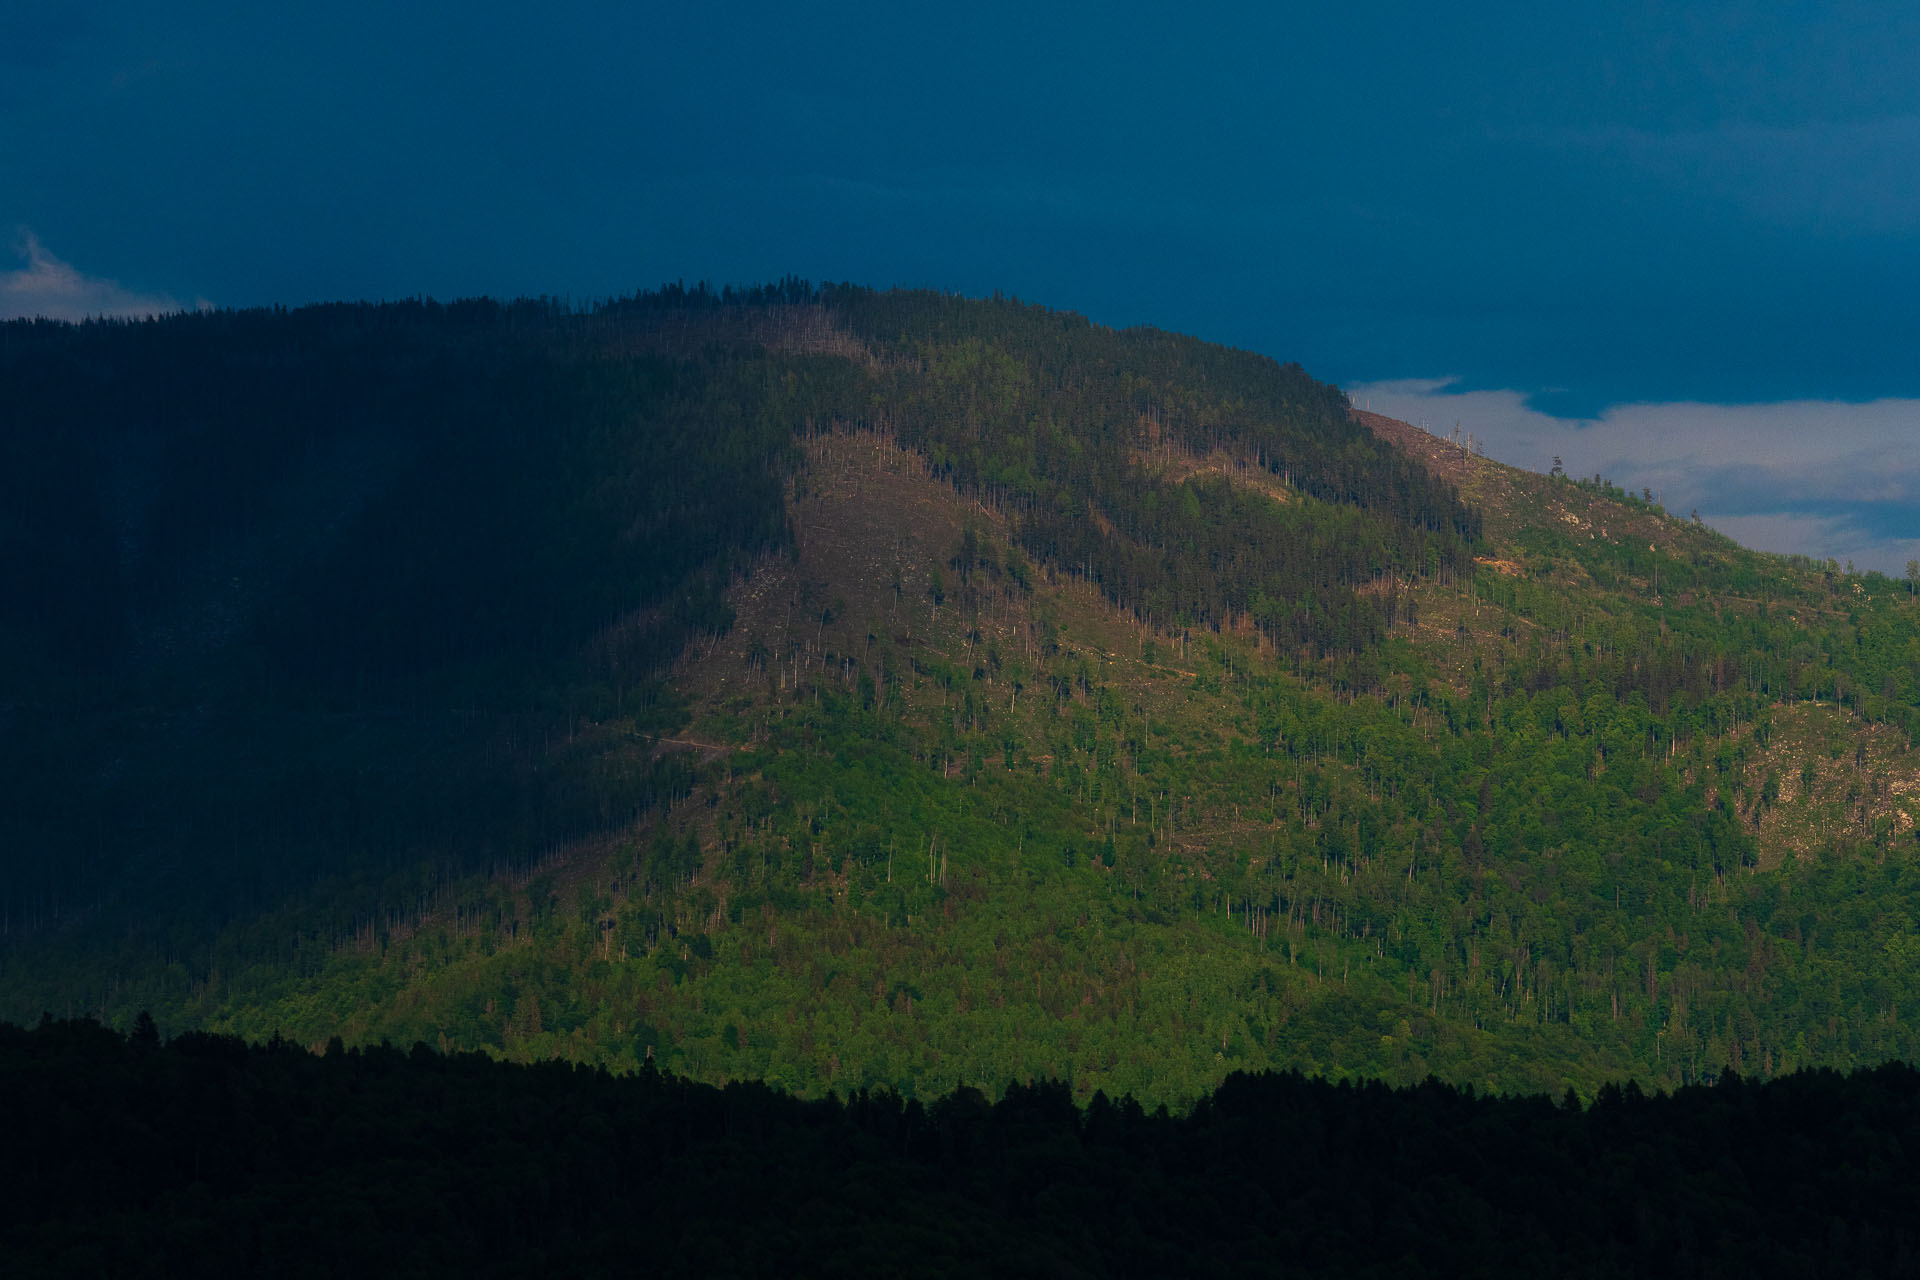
1675 244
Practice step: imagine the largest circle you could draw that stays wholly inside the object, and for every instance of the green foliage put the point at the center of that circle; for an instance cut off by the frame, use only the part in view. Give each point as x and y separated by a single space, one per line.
435 782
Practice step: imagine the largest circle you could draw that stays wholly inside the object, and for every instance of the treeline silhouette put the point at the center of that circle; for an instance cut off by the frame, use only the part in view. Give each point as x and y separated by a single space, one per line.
206 1155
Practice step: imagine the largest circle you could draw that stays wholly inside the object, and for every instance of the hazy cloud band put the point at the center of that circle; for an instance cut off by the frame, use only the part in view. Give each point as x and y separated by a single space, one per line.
1822 478
50 288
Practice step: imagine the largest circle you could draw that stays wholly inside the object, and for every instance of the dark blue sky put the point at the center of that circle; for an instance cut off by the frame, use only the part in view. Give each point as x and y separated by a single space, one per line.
1588 206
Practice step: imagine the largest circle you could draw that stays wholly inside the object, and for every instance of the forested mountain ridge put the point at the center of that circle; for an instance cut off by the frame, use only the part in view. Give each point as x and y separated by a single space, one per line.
844 688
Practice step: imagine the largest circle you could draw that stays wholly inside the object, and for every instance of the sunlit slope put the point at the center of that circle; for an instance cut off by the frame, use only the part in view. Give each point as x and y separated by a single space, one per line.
1119 708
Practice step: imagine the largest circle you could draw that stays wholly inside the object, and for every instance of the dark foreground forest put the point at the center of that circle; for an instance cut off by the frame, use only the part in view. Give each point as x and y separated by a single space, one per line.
205 1155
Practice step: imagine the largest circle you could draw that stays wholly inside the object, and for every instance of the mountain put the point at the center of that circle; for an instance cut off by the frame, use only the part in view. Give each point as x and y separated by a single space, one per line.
843 688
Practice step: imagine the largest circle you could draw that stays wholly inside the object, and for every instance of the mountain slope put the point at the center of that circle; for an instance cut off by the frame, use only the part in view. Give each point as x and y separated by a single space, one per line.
1070 703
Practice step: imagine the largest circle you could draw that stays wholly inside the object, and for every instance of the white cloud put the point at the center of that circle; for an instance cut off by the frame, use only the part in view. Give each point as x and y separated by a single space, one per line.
1818 477
1831 537
48 287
